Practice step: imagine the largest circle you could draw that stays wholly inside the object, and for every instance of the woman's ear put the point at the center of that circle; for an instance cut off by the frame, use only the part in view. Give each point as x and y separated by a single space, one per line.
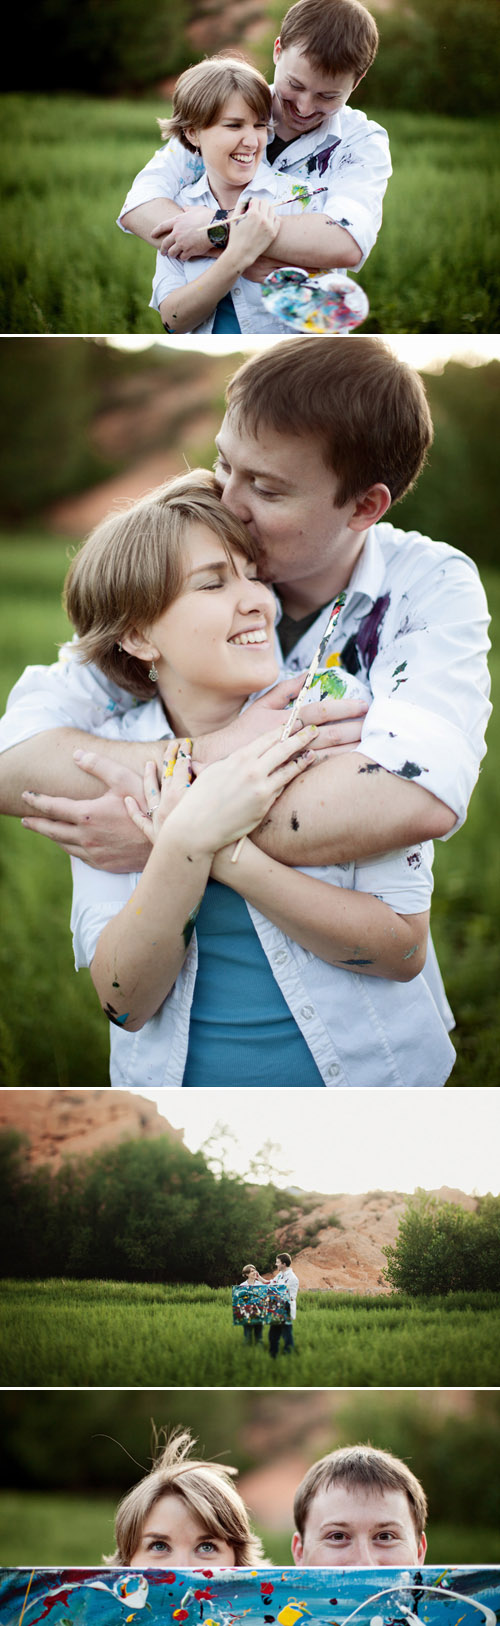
138 644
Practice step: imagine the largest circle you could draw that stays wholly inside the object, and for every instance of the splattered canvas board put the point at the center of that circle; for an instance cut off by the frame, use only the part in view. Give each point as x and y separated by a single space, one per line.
273 1597
263 1302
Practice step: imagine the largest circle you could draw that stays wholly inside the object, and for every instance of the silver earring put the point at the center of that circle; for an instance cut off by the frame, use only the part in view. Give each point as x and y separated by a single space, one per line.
152 674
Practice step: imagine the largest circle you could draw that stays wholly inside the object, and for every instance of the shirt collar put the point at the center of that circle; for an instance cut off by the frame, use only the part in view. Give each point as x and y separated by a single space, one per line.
369 571
264 180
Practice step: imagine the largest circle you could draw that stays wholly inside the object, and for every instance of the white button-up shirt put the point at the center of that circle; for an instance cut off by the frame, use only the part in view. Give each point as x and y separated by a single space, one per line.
360 1030
347 153
252 310
288 1279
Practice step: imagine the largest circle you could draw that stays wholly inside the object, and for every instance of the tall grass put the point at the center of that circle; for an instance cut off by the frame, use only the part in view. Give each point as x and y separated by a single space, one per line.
68 163
52 1031
86 1333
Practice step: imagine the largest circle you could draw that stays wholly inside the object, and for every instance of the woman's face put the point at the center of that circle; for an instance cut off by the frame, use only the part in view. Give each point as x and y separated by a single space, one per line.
217 636
174 1537
232 147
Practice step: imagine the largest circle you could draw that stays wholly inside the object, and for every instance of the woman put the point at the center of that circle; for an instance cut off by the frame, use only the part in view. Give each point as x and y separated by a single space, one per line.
222 110
165 599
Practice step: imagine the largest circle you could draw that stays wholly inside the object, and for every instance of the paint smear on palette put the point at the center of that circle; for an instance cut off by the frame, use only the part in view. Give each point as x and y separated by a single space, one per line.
108 1597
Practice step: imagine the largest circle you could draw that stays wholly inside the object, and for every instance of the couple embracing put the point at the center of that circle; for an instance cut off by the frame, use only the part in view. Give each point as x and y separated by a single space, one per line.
306 962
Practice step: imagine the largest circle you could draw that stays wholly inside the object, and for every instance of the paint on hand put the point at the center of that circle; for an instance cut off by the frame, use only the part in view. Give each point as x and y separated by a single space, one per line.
331 683
189 924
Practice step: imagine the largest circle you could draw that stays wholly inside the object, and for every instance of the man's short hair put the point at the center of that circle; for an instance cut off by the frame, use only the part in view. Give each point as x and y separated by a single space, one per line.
367 411
360 1466
338 36
285 1259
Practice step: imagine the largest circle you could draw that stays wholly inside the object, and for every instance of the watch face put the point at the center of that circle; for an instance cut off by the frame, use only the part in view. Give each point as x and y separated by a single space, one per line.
219 234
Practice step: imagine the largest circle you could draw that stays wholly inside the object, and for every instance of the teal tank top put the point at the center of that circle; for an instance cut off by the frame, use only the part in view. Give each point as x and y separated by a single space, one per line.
241 1031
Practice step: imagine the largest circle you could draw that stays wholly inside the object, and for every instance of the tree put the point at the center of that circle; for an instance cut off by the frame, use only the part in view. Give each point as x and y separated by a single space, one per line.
440 1248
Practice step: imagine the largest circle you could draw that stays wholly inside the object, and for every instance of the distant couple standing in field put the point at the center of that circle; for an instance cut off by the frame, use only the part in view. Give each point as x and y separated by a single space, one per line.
285 1277
255 177
303 958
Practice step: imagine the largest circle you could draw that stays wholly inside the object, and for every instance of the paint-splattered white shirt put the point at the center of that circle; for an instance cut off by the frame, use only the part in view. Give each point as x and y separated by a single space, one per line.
347 153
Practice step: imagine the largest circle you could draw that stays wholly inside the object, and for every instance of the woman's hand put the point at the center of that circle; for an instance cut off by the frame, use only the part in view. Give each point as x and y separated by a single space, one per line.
163 789
251 233
232 796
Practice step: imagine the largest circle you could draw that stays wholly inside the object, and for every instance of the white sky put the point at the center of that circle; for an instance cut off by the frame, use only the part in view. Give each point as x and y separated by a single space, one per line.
352 1141
429 351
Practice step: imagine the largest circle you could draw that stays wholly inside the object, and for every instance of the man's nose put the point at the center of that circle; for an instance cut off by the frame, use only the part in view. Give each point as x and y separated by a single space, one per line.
362 1555
233 498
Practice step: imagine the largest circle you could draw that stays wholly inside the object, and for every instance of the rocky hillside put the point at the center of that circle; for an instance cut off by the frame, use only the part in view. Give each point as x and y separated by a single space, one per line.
347 1257
75 1123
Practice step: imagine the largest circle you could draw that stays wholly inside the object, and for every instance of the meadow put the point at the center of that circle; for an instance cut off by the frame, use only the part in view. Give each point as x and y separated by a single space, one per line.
67 269
51 1028
113 1333
74 1530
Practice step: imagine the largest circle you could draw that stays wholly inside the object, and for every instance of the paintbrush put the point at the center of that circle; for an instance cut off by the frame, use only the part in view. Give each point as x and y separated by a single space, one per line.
308 680
305 191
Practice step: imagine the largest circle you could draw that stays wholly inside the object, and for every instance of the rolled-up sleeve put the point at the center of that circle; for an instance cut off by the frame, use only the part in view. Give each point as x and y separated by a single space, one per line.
64 695
162 177
357 180
430 686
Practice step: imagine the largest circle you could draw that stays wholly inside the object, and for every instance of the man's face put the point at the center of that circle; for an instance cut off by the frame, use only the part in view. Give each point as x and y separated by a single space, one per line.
359 1527
280 487
305 95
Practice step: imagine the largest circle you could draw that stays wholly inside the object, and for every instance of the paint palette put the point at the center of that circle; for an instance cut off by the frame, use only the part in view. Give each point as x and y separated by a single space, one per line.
272 1597
262 1302
315 304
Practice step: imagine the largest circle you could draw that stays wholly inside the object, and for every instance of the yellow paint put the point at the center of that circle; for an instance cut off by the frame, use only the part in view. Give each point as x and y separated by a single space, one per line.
333 659
289 1615
138 911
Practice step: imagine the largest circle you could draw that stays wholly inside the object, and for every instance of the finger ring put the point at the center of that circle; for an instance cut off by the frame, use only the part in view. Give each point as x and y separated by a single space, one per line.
149 813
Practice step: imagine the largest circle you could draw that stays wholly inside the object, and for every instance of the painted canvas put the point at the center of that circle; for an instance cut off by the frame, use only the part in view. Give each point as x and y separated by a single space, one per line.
263 1302
273 1597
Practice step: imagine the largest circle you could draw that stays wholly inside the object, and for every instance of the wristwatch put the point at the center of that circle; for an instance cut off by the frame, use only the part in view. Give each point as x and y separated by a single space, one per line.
218 230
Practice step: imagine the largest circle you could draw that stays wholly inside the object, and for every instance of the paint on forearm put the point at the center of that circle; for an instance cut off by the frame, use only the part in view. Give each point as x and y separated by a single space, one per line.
371 767
410 952
189 924
112 1015
294 822
356 962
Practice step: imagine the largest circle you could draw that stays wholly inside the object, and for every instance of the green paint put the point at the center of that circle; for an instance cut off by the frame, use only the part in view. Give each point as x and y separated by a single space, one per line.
188 927
410 952
331 683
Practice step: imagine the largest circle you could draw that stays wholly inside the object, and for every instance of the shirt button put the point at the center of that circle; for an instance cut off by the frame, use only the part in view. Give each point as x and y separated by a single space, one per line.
307 1011
333 1071
281 957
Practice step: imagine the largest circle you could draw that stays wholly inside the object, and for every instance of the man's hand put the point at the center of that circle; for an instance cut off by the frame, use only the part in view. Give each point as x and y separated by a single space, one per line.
339 723
98 831
181 237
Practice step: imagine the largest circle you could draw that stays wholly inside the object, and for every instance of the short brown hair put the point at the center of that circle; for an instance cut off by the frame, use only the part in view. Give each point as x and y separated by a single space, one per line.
285 1259
132 567
201 93
205 1487
340 36
355 1466
367 411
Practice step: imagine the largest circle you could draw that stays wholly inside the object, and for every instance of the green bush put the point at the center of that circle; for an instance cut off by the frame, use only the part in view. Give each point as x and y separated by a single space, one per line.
441 1248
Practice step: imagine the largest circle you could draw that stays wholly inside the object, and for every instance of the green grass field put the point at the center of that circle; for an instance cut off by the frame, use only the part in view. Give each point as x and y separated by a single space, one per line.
68 163
50 1528
51 1029
114 1333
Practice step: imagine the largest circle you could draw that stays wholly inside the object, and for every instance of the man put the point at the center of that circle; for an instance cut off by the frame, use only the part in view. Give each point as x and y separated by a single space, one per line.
285 1277
324 49
320 435
362 1507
